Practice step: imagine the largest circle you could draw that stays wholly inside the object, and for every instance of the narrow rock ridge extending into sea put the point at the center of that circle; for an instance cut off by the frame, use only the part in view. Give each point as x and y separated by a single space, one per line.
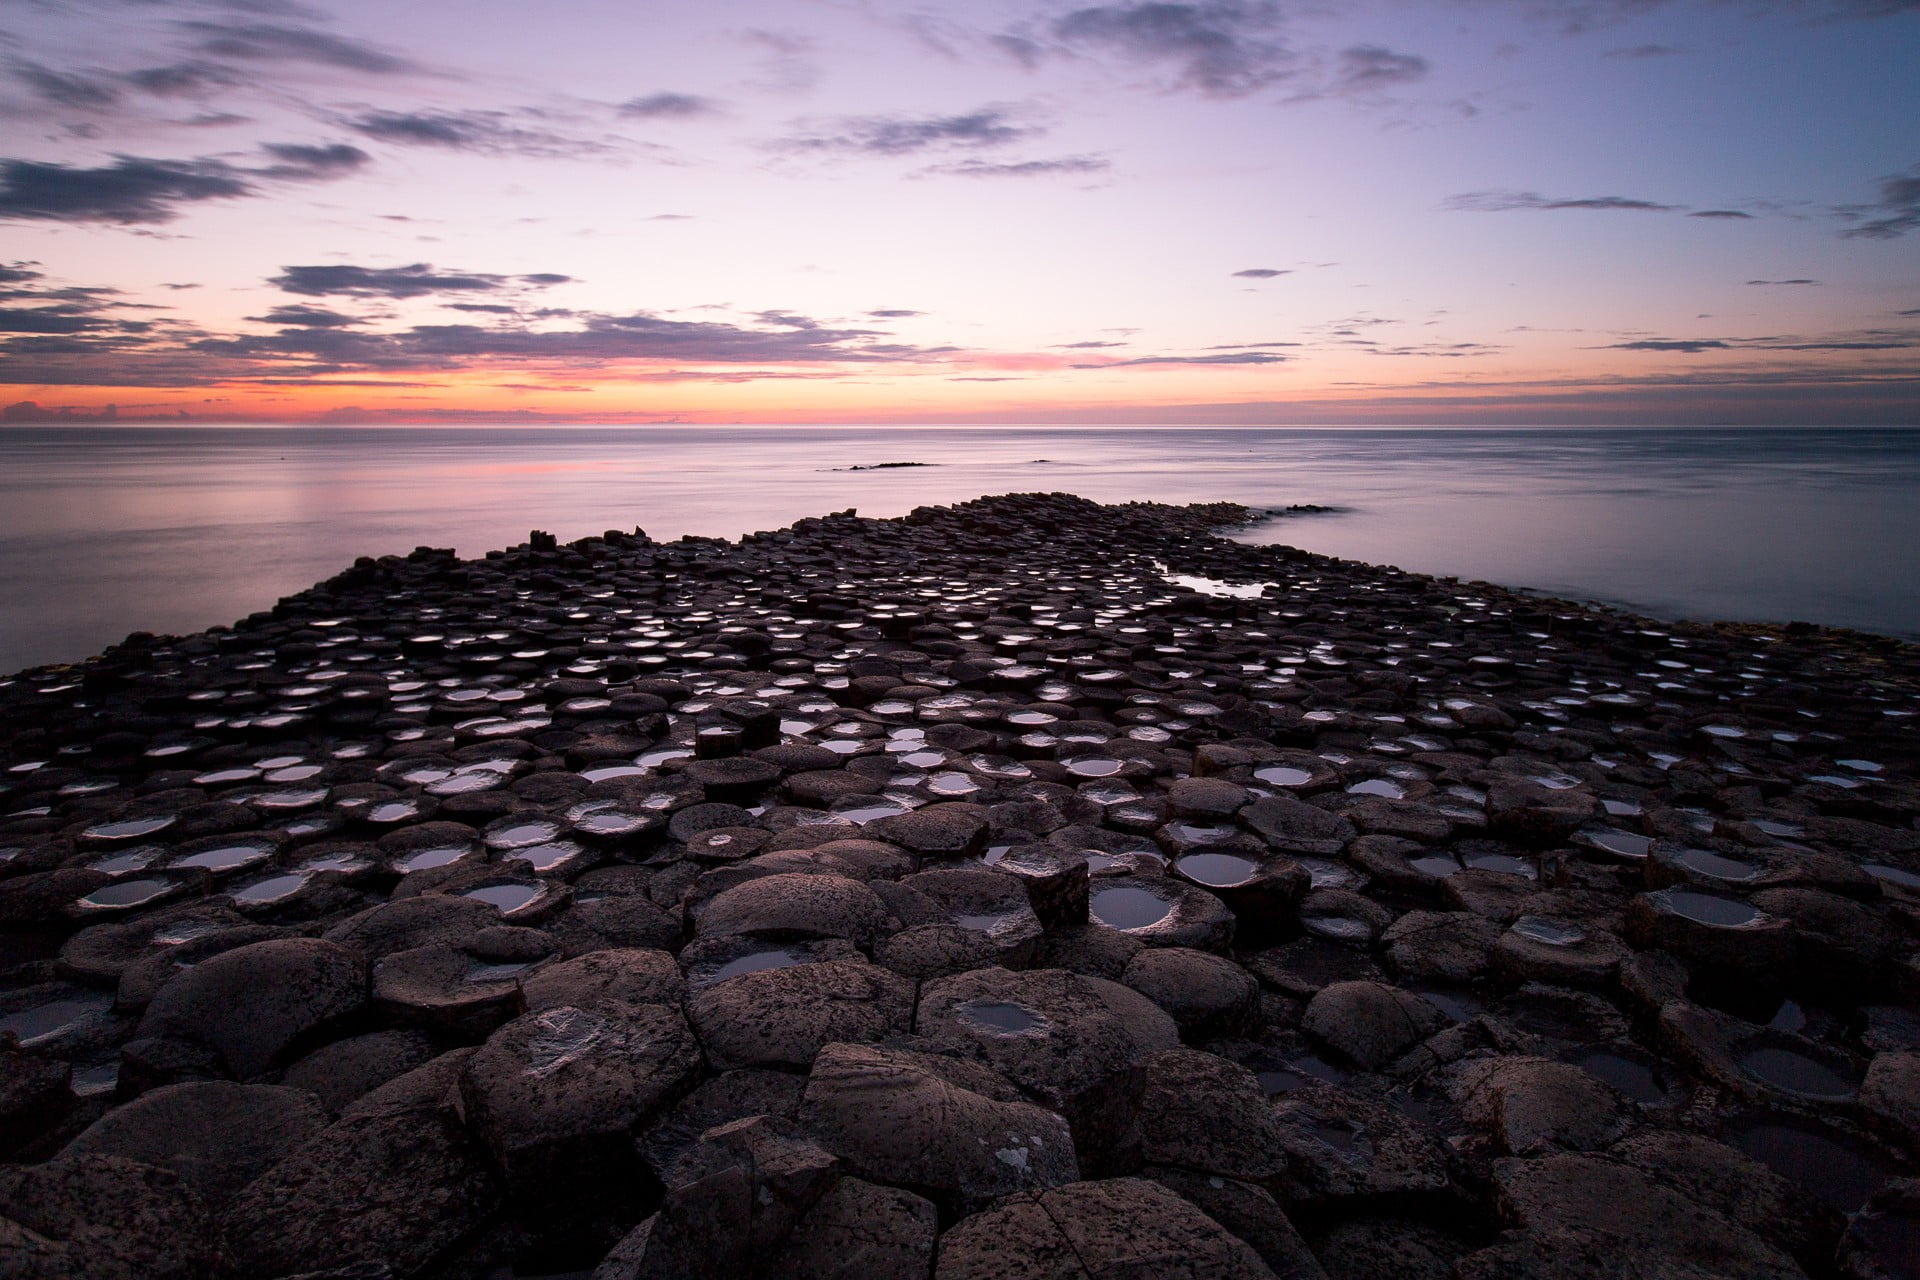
1026 888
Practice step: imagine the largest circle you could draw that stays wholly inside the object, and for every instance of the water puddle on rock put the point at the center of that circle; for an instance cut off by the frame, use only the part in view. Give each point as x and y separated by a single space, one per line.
607 772
128 893
1707 909
550 856
520 835
1548 932
1716 867
654 759
271 889
1897 876
1783 1067
1630 1074
1128 907
1503 863
867 809
96 1080
130 828
1337 928
1383 787
48 1022
1001 1018
606 818
120 864
1283 775
1094 766
1440 865
988 922
227 857
1217 870
1621 844
1839 1169
508 897
754 962
426 859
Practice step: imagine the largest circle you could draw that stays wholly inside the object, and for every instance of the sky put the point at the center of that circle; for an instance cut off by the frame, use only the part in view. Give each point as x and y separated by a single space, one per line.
1005 211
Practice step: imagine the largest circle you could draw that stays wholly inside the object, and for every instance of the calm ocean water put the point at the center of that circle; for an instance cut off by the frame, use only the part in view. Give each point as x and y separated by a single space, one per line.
109 530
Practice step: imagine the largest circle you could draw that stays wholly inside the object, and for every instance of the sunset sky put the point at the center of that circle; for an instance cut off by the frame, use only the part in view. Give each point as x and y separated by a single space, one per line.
842 211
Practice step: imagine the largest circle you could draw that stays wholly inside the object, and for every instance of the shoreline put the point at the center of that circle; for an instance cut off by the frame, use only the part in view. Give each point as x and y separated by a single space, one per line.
531 902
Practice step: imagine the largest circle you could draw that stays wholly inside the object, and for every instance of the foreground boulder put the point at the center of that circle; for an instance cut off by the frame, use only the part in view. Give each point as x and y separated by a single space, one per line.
396 1181
1062 1038
911 1120
92 1217
250 1004
1128 1228
216 1135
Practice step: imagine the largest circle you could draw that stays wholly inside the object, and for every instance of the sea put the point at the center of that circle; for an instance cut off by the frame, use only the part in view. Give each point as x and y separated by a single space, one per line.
170 529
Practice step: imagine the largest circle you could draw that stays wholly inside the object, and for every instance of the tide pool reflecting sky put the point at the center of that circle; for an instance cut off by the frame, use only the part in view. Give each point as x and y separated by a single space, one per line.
165 529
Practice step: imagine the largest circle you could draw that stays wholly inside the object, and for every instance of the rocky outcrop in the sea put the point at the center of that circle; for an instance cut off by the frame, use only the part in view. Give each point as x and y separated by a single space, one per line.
985 893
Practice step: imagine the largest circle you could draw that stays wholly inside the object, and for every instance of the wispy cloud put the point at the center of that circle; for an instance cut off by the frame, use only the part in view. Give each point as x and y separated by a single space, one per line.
488 131
902 135
669 106
414 281
1262 273
1506 201
66 88
262 42
1689 347
300 162
1236 357
1368 67
1067 166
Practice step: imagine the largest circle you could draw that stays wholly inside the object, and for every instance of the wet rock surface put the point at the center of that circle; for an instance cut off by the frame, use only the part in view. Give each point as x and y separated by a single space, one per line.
958 895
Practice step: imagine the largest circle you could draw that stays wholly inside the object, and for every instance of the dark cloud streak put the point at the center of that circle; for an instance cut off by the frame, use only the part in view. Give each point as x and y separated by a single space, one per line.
262 42
1506 201
130 191
1219 49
